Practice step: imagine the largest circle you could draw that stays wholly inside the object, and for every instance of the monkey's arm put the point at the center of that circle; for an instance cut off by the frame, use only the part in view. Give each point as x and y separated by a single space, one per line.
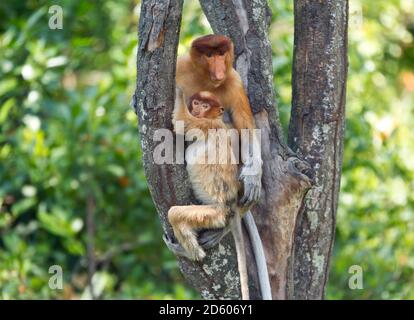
251 172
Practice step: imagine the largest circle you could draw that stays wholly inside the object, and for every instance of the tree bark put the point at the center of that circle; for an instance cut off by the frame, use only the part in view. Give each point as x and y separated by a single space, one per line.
286 177
316 133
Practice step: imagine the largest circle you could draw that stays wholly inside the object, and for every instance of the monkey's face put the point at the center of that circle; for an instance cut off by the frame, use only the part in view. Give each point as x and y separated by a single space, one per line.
202 109
214 54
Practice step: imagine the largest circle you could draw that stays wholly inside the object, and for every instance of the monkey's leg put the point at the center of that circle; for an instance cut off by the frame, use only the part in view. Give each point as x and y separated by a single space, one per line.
207 239
185 219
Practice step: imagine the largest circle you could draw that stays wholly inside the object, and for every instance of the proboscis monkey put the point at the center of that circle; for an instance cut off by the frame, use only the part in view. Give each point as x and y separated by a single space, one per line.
209 67
215 183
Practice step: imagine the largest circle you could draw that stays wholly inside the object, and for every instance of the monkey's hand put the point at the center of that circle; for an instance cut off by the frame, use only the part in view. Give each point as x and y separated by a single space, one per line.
252 182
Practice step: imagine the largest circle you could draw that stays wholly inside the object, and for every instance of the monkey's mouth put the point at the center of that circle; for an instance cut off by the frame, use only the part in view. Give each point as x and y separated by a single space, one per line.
216 83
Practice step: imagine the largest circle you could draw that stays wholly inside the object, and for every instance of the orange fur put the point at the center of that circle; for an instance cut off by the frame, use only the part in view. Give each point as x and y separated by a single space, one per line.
209 67
193 75
216 185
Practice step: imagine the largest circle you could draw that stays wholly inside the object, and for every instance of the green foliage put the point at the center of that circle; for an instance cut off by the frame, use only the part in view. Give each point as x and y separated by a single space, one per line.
69 147
68 138
376 214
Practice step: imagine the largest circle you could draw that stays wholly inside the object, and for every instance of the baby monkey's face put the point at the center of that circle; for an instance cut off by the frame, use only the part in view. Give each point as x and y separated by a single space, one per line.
202 109
205 105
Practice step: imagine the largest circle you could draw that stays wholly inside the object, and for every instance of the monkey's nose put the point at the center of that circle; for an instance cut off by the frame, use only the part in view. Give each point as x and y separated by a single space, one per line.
219 76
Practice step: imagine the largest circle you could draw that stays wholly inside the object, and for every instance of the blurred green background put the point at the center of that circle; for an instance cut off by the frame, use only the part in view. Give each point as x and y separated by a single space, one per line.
69 148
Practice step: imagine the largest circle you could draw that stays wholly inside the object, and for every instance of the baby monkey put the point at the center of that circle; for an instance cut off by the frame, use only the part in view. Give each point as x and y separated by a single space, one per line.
205 105
216 185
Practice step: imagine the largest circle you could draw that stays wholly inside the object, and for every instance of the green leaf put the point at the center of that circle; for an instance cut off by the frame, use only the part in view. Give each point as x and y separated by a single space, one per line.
116 170
56 222
22 206
5 108
74 246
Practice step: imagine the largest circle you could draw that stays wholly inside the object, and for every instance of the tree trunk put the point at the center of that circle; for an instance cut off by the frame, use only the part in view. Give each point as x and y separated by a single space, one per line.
316 133
286 178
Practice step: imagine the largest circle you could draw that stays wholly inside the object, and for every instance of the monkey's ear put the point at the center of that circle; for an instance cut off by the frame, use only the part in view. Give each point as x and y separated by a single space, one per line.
190 106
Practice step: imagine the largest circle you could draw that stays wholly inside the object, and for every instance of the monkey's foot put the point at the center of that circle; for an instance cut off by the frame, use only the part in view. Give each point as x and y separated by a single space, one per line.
197 254
194 253
175 247
211 237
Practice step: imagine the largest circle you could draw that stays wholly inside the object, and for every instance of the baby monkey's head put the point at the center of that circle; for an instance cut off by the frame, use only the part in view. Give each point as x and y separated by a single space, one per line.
204 104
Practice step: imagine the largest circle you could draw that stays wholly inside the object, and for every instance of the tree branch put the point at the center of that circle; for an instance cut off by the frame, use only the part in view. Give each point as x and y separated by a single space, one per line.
91 261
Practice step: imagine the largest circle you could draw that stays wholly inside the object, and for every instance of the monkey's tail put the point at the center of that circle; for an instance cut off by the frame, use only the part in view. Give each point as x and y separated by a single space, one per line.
259 255
241 255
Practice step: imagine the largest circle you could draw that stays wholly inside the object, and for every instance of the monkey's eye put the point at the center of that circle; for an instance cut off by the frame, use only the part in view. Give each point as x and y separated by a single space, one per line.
196 103
209 54
222 53
205 106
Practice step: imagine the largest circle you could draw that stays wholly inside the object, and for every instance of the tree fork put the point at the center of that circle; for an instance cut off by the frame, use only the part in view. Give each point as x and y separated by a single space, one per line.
286 177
